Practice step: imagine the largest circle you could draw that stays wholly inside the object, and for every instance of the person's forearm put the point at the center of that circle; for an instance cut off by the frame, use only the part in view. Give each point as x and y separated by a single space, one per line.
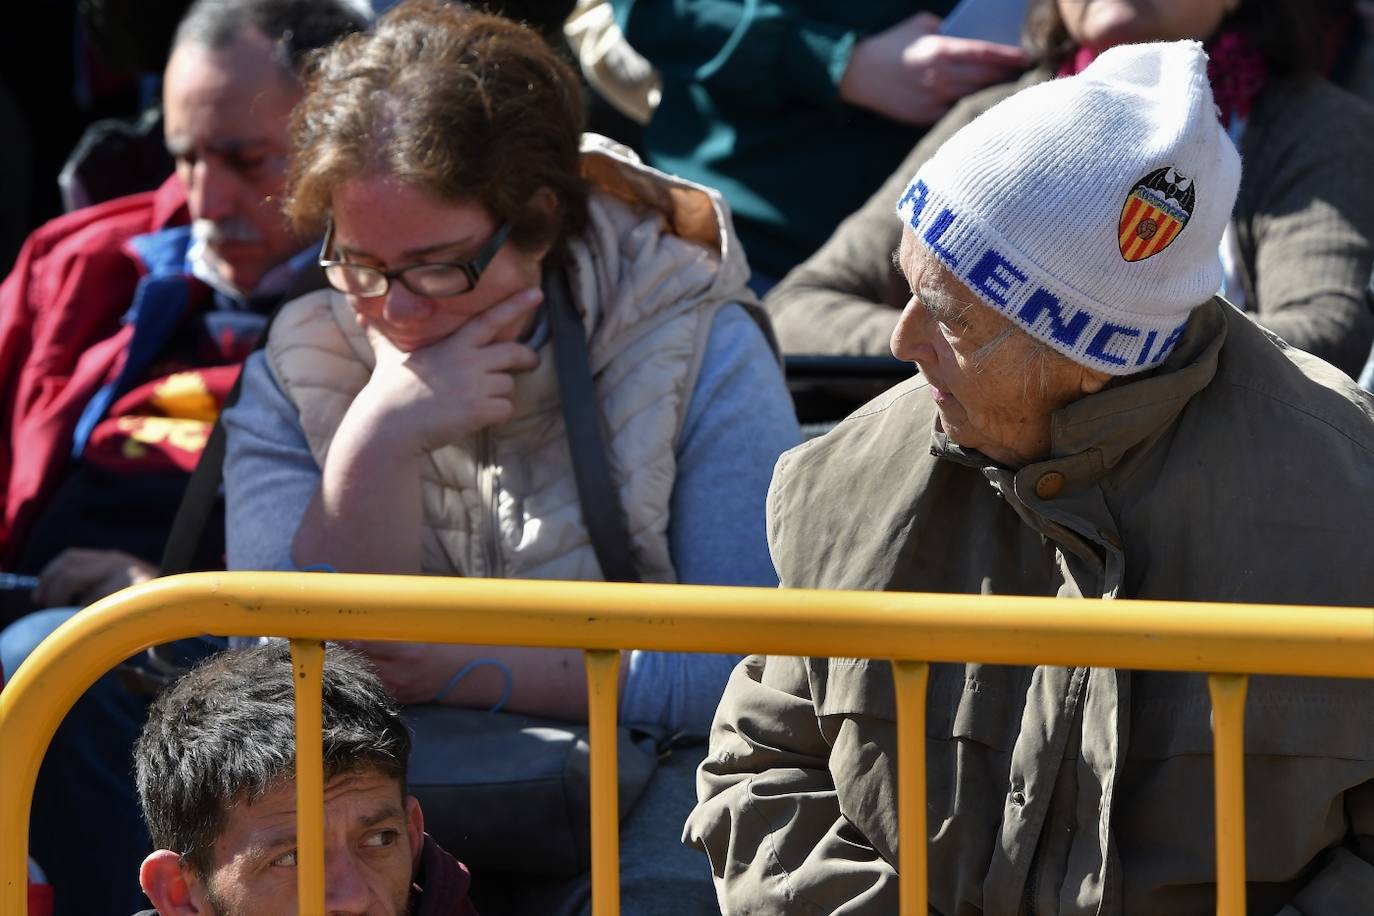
367 515
843 300
541 682
538 682
812 321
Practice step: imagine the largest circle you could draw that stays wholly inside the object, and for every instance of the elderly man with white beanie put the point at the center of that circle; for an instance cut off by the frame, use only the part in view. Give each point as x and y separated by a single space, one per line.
1088 422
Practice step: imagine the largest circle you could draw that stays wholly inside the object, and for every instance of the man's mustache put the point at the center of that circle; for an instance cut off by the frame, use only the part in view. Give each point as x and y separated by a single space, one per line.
215 232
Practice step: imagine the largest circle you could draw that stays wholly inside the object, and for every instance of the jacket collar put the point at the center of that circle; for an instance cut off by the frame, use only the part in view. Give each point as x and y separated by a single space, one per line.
1091 436
1060 496
442 883
1123 416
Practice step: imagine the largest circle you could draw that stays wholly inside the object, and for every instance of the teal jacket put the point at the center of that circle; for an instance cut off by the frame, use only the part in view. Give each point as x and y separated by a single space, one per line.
750 106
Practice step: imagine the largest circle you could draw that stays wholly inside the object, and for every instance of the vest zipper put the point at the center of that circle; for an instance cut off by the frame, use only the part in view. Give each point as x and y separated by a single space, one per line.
490 518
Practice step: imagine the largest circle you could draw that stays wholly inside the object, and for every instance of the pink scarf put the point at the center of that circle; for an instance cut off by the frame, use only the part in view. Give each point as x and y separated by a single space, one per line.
1235 69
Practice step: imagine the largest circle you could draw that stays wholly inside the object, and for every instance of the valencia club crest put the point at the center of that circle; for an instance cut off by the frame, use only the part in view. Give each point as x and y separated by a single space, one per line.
1155 213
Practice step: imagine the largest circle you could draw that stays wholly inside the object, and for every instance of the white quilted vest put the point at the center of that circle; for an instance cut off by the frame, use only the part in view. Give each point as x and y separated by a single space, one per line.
658 259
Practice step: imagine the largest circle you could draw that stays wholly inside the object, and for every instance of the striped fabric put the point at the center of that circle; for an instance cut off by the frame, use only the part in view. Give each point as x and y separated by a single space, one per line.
1148 225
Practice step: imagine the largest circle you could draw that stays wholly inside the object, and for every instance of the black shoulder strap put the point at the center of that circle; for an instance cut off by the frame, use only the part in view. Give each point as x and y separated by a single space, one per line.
601 509
198 502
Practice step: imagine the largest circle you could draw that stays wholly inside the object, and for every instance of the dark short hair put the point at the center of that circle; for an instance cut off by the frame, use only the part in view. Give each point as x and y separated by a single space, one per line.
1289 34
298 27
465 106
225 732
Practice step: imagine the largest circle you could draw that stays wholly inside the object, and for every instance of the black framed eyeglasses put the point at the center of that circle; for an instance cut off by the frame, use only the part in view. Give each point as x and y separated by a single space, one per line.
435 280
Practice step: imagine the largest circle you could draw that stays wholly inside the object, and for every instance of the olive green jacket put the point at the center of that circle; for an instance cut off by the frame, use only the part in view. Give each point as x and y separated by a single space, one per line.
1241 470
1304 221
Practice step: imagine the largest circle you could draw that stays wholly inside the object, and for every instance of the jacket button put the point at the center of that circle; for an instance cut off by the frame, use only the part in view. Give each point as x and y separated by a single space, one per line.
1018 798
1049 485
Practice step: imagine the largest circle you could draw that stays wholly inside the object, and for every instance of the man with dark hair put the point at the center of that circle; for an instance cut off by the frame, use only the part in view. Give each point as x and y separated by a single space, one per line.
122 329
298 27
216 779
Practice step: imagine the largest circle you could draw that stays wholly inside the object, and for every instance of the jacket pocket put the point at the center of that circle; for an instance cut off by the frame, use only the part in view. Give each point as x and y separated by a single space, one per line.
972 716
981 703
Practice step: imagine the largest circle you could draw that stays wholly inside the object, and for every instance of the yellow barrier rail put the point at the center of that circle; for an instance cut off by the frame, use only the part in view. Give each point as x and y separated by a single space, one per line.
1226 641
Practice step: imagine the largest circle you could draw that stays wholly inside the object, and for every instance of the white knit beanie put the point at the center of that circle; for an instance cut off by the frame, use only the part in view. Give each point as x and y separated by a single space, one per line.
1089 209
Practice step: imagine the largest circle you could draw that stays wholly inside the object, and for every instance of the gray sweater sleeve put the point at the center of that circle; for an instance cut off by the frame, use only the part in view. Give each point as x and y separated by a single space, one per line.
739 421
1305 216
269 474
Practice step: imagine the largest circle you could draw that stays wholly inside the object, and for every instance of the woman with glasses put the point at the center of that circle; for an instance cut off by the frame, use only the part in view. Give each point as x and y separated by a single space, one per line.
409 418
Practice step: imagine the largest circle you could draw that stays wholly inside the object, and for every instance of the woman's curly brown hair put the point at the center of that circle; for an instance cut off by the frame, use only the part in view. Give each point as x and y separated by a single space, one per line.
464 105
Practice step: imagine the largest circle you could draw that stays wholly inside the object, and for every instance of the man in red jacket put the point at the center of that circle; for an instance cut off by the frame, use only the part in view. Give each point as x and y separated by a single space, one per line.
216 778
122 328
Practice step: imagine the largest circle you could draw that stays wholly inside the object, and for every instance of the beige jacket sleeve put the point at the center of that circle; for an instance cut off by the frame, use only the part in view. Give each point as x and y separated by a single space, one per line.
767 815
845 298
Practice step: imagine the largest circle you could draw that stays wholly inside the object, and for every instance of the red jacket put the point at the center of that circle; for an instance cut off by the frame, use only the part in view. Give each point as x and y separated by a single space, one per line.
40 893
61 338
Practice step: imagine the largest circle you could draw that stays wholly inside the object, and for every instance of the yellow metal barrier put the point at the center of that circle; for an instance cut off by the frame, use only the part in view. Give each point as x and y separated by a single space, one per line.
1227 641
307 657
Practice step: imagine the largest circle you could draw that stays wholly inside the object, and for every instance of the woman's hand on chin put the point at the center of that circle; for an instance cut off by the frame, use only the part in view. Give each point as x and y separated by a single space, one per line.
443 391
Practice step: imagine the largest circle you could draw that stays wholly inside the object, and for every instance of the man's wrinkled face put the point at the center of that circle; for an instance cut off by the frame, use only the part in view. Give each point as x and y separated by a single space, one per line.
226 116
991 389
372 843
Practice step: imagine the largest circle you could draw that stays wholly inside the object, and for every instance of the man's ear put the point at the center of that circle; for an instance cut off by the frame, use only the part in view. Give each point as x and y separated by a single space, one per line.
415 827
1092 381
165 884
